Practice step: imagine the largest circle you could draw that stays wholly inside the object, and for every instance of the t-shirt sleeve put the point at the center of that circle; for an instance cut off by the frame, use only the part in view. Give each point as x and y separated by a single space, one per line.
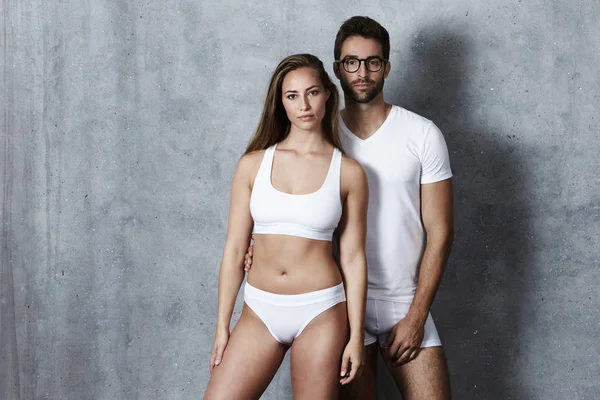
435 163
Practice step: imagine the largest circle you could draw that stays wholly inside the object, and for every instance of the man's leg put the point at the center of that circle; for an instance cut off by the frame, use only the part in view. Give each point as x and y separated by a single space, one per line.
363 387
425 377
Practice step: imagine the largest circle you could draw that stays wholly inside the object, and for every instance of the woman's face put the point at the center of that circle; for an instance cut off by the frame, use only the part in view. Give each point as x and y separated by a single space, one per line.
304 98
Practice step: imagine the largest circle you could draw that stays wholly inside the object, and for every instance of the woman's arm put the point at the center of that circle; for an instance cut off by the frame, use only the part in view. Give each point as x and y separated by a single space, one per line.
231 274
353 228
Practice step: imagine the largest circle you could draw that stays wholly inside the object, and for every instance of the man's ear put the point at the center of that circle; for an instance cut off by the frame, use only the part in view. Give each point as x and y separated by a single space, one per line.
336 70
388 67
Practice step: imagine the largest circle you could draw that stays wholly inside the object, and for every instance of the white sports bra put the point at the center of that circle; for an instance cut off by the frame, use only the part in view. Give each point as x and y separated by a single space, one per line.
314 215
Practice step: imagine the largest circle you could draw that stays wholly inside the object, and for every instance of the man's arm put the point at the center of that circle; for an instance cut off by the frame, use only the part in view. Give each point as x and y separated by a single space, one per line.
438 221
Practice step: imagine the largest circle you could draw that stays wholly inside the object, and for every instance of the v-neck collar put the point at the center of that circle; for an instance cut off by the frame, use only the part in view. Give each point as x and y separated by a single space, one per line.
377 132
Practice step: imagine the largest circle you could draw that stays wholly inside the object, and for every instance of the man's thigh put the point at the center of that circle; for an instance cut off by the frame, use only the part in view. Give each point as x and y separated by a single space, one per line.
363 387
425 377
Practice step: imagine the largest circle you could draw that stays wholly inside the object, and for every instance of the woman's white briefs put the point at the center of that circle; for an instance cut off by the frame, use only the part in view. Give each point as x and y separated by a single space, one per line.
286 315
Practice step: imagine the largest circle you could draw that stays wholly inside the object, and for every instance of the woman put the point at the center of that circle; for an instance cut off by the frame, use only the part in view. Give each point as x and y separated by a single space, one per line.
293 187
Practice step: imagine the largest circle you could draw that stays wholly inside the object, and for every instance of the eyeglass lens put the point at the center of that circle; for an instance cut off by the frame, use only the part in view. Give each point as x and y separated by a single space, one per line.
373 64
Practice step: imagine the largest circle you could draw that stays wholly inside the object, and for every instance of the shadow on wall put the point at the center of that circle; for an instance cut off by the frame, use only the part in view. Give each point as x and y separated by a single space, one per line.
481 300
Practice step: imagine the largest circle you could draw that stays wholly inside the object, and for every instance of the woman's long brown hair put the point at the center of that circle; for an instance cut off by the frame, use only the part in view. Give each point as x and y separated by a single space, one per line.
274 124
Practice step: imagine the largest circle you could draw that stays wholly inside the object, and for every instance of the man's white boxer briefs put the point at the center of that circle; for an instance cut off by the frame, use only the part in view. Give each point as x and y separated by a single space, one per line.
382 315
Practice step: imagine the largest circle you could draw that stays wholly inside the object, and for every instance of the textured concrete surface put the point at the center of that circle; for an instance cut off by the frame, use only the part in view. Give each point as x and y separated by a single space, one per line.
122 122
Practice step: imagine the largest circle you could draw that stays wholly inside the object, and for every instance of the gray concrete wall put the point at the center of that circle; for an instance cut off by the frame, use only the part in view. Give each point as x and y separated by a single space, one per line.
122 122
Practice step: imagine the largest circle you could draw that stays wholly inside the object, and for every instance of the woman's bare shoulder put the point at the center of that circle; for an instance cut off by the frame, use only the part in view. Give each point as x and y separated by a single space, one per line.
352 168
249 164
251 160
353 177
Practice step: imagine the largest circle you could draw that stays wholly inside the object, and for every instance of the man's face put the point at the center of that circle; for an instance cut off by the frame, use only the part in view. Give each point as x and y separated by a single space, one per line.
363 85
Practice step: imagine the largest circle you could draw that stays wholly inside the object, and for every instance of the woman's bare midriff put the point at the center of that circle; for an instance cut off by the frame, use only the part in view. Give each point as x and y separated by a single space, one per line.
286 264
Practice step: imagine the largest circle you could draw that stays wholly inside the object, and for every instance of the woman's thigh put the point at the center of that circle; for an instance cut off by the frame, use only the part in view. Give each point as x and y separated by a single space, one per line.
250 361
316 356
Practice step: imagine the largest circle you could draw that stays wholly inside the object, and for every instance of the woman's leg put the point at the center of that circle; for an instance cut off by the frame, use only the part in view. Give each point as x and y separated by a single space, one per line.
317 355
250 360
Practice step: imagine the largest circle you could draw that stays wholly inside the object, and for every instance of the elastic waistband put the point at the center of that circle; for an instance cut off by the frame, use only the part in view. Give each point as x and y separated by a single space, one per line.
400 298
293 300
290 229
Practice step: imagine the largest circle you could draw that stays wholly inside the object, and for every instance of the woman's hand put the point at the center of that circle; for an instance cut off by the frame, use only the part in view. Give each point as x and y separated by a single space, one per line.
352 361
221 339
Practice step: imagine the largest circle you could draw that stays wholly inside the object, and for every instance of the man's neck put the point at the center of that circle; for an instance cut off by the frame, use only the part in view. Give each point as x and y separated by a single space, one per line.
364 119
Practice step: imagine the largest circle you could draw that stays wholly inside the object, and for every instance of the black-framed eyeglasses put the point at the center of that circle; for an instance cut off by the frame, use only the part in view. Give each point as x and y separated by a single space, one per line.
352 64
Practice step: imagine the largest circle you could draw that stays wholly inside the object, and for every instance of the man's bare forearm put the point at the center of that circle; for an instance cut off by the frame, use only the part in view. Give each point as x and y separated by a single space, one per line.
431 270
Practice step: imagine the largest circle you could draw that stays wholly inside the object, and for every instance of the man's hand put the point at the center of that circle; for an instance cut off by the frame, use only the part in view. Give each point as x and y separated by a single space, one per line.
404 342
248 258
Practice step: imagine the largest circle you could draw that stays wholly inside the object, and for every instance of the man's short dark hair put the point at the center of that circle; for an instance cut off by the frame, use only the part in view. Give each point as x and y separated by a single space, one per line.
364 27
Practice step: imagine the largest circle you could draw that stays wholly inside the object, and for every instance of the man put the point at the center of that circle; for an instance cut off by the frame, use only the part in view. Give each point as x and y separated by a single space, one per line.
410 218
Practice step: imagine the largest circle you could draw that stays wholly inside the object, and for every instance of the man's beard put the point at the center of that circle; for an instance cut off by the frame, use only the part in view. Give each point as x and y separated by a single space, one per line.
362 96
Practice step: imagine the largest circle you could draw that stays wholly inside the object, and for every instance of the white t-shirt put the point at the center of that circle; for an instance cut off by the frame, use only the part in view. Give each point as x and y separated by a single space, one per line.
405 152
